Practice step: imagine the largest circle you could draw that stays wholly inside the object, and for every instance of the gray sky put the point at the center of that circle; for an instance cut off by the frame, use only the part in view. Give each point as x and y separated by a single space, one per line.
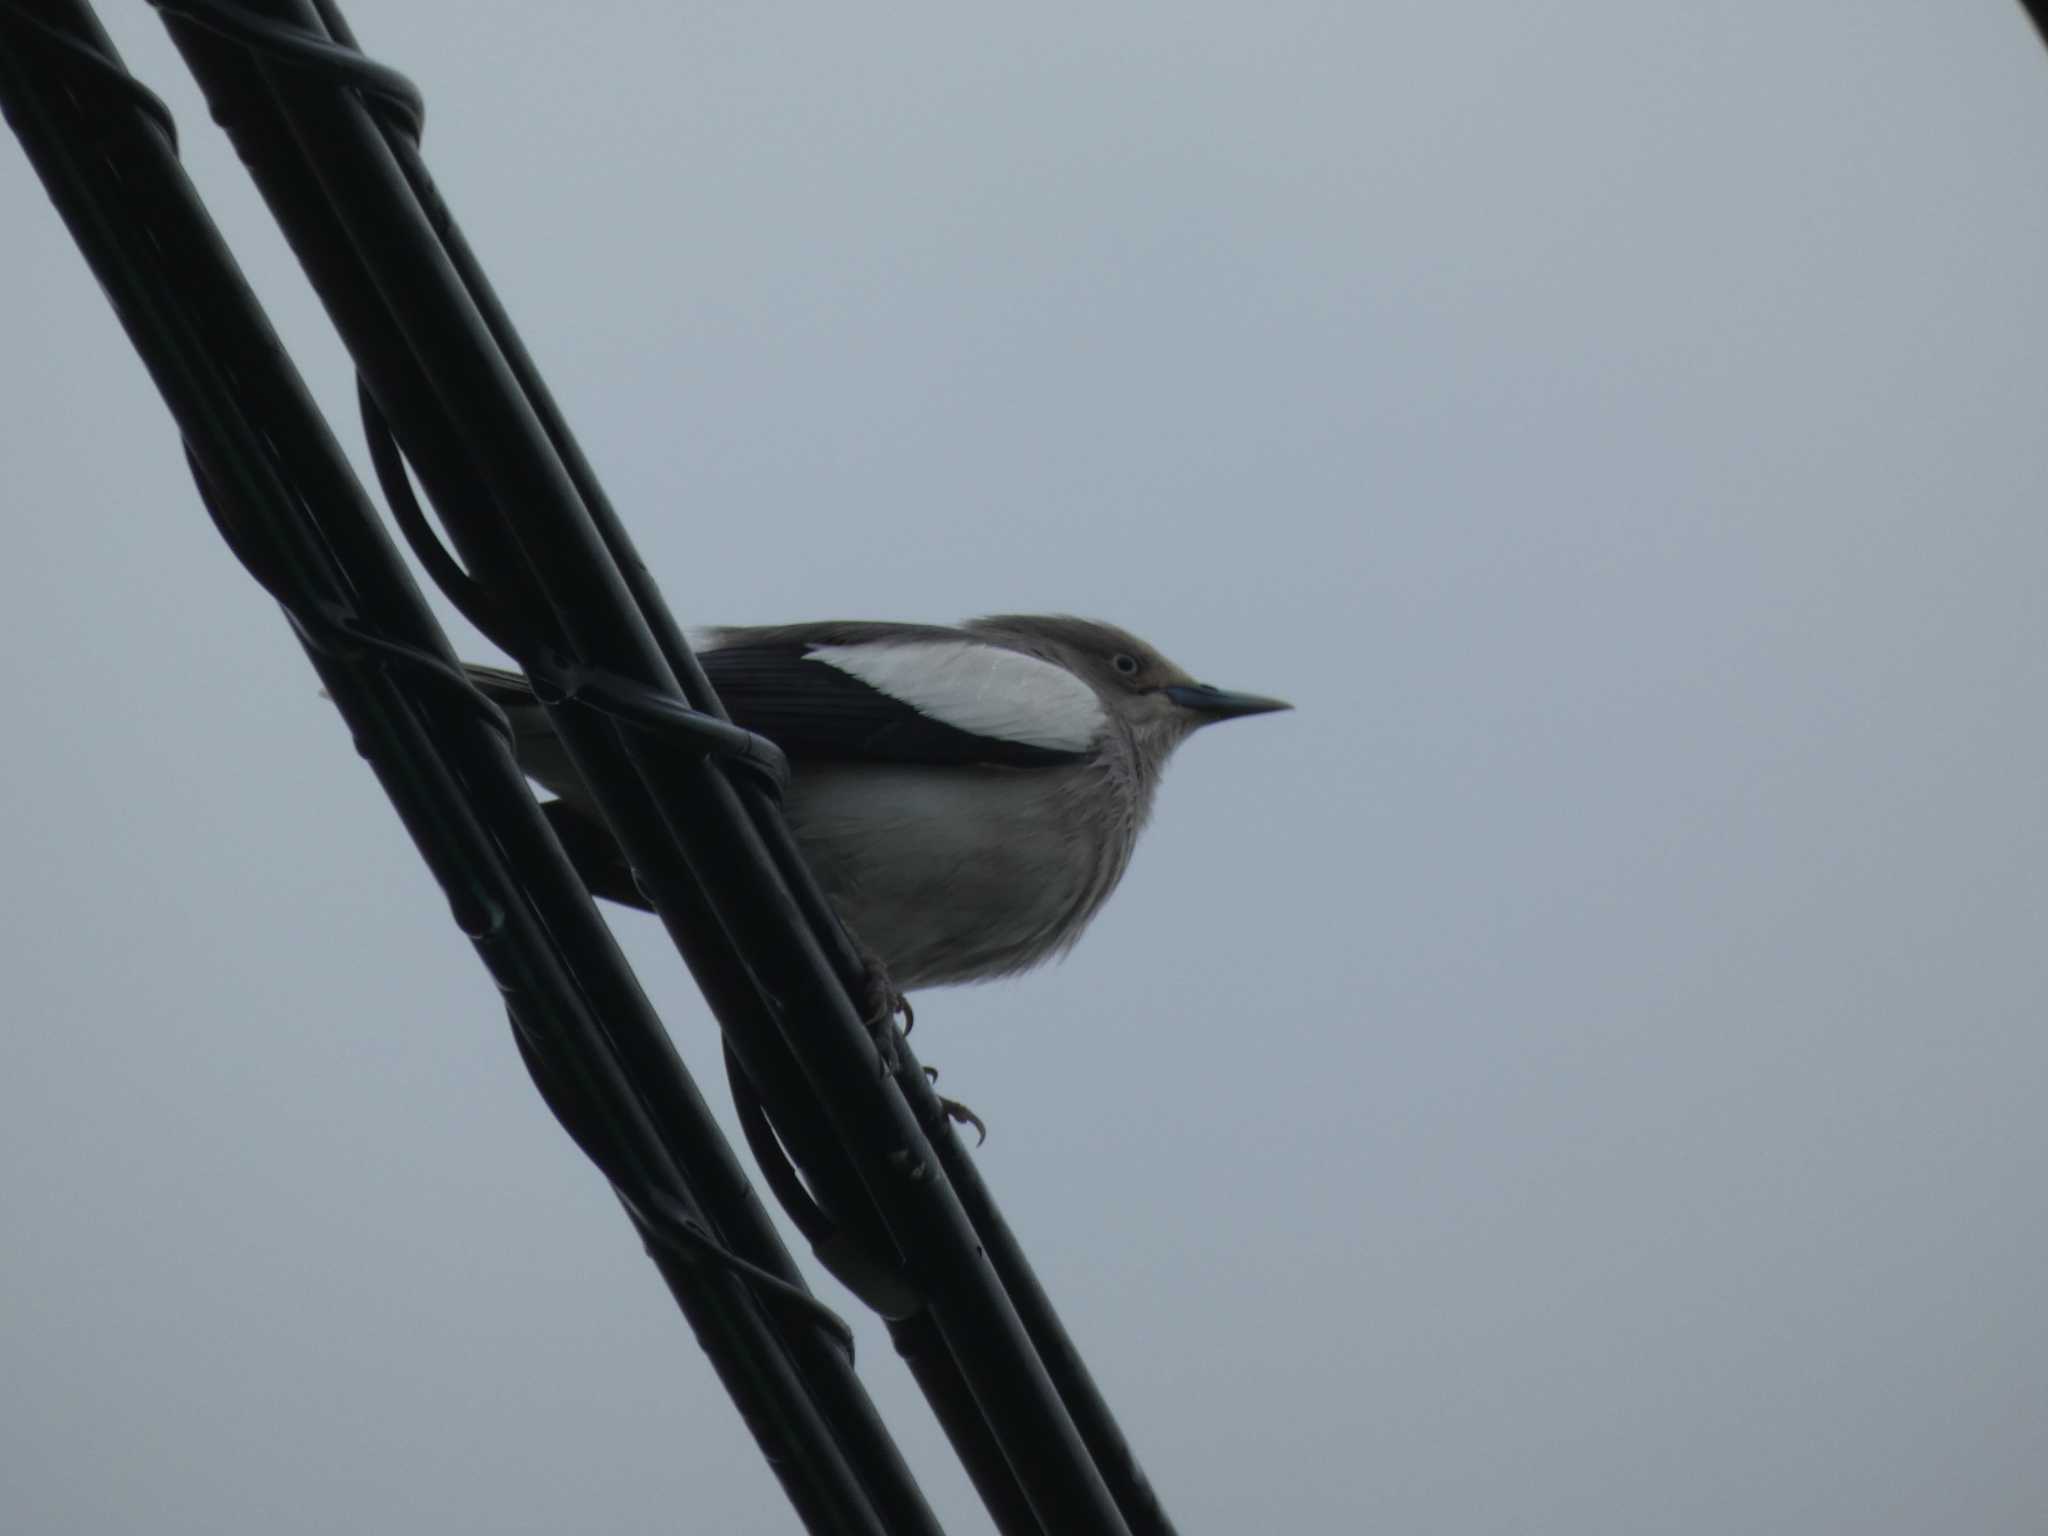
1580 1072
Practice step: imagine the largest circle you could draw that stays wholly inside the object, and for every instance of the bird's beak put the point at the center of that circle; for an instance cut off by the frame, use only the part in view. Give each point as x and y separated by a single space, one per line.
1219 703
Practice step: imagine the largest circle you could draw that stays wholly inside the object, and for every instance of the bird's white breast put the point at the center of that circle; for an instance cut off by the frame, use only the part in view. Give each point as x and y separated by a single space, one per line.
958 874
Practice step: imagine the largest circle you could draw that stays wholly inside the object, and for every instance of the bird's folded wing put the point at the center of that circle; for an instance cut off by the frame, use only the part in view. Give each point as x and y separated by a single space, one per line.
940 699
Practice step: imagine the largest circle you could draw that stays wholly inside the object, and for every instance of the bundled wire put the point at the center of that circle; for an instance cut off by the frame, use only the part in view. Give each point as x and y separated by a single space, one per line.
835 1106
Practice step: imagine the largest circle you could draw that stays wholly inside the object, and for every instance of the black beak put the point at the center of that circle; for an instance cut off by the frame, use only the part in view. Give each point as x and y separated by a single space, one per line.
1220 703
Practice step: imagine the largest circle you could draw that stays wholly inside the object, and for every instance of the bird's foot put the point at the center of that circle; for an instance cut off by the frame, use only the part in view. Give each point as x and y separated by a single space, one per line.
880 1002
959 1113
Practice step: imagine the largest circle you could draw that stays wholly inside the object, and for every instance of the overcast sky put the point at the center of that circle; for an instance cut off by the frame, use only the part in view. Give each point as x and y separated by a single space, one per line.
1581 1072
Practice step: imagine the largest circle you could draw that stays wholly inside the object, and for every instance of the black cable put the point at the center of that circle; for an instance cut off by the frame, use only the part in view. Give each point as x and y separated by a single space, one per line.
546 562
303 48
282 493
740 874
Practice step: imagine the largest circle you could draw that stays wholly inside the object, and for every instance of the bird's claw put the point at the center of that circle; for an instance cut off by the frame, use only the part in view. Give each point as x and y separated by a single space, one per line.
960 1114
880 1003
957 1112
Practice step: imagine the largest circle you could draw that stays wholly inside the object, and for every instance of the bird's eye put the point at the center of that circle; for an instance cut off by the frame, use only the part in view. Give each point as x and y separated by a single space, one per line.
1128 665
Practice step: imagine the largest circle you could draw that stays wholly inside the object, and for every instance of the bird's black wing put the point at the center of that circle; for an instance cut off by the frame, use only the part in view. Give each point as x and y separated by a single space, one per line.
813 710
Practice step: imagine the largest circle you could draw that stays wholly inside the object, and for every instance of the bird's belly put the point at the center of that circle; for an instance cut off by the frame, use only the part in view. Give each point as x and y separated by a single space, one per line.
953 874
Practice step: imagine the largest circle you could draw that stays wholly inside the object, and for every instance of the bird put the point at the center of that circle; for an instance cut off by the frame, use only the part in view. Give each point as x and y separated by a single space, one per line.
967 795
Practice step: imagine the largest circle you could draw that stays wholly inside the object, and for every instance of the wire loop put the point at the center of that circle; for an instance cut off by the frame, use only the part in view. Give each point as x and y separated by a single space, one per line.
401 102
668 1228
108 72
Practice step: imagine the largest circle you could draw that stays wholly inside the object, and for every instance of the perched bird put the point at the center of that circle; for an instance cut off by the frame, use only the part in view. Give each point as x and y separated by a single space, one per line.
968 797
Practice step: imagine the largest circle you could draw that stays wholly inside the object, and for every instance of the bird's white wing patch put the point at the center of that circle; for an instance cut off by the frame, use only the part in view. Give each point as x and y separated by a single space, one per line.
976 687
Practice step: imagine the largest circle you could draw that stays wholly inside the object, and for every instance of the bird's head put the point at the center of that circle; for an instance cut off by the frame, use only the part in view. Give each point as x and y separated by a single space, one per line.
1158 702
